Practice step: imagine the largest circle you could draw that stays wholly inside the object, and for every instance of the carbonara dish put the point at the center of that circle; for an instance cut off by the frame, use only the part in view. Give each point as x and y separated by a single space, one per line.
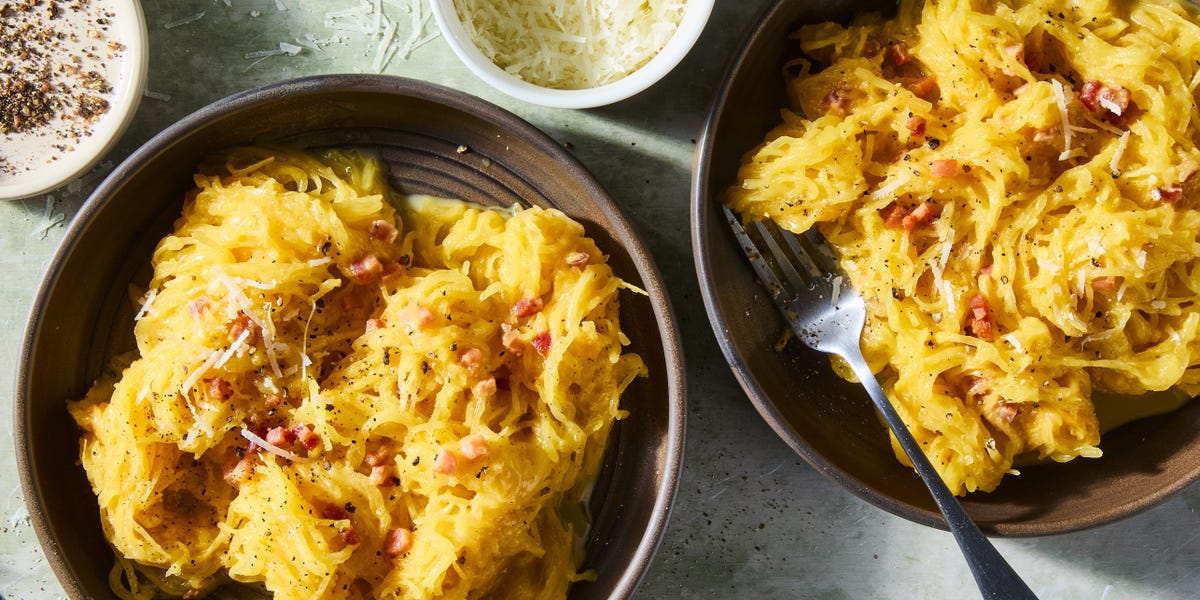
1011 185
340 392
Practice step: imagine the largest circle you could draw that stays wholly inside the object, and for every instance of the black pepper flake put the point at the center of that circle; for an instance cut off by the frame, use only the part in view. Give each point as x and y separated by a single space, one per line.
43 81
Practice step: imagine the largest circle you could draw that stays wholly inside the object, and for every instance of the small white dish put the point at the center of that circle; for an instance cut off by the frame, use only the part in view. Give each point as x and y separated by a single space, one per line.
695 17
29 172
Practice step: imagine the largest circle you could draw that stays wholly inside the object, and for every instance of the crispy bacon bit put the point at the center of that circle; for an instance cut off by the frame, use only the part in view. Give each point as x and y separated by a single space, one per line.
383 476
945 167
837 101
238 471
279 437
578 260
399 541
510 339
1169 194
898 53
1098 98
1104 284
333 512
916 125
375 458
472 359
485 388
242 324
348 536
366 269
923 214
980 322
541 343
373 324
529 305
893 215
473 447
384 231
445 462
273 401
1006 411
416 317
198 306
218 388
979 387
1088 94
925 87
306 436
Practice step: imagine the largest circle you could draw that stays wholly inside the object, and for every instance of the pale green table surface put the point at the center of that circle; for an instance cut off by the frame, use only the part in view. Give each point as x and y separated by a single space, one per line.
751 519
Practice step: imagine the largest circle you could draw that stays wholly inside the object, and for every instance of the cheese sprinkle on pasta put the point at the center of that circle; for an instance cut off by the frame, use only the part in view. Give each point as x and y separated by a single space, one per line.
339 392
1011 185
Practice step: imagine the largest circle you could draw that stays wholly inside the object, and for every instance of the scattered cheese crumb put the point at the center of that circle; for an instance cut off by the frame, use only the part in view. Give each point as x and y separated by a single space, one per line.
891 186
154 95
184 20
1060 97
1115 164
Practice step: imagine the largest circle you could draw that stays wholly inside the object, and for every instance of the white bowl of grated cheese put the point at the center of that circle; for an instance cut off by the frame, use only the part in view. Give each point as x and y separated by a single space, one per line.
571 54
74 74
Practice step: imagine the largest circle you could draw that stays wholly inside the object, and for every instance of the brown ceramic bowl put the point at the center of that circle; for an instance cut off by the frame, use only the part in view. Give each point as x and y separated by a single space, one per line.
830 422
82 313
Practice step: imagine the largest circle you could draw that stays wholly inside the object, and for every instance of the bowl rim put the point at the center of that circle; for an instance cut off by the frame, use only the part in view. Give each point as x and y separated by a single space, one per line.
692 24
669 469
134 67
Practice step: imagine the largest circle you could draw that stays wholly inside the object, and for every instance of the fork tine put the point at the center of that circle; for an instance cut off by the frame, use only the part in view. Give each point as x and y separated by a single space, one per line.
765 265
795 265
819 251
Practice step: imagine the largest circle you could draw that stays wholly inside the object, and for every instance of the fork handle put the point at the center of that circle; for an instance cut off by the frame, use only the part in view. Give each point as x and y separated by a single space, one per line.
995 577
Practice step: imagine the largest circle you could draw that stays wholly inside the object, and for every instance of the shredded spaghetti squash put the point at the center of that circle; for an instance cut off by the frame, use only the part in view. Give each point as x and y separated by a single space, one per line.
339 392
1011 185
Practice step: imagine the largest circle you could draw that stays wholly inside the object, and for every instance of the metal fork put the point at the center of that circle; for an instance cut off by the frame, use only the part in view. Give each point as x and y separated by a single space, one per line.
827 314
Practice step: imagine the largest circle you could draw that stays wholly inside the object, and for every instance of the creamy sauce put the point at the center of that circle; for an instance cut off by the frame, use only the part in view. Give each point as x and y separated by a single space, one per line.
59 74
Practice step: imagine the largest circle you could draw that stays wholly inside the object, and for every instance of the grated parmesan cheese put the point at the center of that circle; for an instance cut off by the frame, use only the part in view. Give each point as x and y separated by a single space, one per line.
572 44
1114 165
887 189
1060 97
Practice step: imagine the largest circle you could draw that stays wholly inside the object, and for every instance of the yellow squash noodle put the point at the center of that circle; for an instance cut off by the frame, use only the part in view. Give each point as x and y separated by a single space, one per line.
339 392
1011 187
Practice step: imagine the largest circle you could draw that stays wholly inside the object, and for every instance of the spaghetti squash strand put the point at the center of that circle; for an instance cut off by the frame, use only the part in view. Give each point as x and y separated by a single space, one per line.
339 392
1011 185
